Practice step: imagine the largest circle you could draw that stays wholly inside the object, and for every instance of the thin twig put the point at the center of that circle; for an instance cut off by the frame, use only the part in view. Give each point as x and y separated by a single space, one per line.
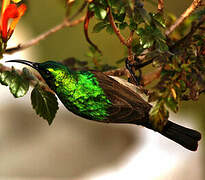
115 28
37 39
141 65
189 35
129 46
68 22
127 43
89 15
78 12
38 79
186 14
160 5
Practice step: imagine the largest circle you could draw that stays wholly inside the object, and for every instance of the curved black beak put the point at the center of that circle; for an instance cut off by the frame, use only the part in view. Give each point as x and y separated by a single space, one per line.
29 63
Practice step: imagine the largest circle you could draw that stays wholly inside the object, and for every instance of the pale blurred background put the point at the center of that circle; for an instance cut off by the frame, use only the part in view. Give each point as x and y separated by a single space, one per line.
74 148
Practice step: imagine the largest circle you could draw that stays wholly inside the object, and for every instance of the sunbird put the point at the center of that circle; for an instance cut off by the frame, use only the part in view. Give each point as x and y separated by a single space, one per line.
98 97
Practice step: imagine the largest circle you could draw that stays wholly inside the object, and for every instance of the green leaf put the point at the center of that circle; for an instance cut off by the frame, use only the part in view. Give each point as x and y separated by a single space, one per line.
133 24
119 17
145 16
123 25
197 15
18 85
98 27
109 29
161 45
182 85
45 103
158 115
100 13
159 18
145 36
172 104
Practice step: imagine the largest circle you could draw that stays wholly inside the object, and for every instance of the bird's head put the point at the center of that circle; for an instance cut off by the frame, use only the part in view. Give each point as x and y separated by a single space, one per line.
51 71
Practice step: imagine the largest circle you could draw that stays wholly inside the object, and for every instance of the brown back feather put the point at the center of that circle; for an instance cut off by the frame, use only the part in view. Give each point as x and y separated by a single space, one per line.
127 105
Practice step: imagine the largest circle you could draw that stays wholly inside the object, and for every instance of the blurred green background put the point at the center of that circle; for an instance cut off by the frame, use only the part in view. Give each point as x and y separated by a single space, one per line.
86 147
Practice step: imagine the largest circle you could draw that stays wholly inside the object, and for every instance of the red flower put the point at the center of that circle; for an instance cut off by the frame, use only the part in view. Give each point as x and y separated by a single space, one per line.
10 11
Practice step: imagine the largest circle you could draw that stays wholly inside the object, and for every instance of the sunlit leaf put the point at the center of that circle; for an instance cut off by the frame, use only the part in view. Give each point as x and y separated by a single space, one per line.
159 18
100 13
45 103
172 104
158 115
18 85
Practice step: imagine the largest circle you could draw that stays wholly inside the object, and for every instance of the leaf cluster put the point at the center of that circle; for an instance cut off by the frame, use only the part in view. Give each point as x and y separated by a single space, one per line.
181 56
183 69
44 102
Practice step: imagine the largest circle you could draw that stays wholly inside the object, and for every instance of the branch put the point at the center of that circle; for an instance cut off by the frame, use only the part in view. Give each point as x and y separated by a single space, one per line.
78 12
127 43
68 22
129 46
36 40
116 30
186 14
89 15
33 81
187 37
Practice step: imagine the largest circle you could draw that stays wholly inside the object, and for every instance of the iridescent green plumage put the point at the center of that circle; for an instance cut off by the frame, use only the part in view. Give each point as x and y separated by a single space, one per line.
95 96
80 92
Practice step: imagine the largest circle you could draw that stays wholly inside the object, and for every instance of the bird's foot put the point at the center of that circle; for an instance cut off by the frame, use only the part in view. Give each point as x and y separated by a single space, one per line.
131 68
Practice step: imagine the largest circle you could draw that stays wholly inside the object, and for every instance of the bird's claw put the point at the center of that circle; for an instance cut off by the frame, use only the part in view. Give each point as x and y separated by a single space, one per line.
129 67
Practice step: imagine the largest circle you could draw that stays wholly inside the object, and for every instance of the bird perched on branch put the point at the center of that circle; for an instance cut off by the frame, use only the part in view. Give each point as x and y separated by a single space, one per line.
96 96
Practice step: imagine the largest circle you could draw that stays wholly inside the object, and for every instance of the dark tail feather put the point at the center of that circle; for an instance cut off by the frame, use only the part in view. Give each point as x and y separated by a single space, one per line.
188 138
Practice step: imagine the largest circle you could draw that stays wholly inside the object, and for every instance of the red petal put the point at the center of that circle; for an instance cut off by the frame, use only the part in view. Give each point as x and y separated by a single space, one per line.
10 12
21 10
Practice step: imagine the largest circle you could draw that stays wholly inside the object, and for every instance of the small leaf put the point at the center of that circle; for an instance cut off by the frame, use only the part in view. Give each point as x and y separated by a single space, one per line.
158 115
146 17
173 93
182 85
109 29
155 109
98 27
162 46
132 25
45 103
145 36
123 25
119 17
172 104
18 85
159 18
100 13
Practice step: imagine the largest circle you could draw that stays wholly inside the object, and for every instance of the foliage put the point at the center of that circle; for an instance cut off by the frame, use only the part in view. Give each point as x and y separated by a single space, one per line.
45 103
18 84
179 55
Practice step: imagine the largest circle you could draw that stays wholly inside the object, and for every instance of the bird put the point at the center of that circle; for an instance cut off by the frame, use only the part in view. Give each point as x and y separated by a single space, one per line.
96 96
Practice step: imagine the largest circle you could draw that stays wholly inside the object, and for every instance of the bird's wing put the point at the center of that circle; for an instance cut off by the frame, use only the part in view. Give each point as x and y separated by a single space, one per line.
127 106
